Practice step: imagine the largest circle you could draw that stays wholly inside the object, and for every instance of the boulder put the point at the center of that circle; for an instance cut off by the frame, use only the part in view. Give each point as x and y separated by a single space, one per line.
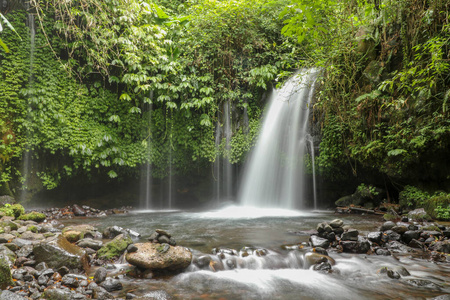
100 275
336 223
78 232
350 235
355 247
8 295
58 252
387 226
114 248
5 273
374 237
148 257
440 246
78 211
409 235
418 215
90 243
319 242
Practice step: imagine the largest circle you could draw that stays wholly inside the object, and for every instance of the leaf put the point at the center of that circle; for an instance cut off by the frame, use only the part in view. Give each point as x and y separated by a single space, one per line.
396 152
4 46
112 174
9 25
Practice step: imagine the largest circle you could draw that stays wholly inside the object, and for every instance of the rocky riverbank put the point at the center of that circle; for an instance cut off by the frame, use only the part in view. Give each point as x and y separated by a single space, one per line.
43 259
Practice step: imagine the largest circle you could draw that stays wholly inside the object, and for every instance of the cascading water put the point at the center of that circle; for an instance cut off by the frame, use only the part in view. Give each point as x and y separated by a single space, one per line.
309 138
274 175
223 170
146 184
26 165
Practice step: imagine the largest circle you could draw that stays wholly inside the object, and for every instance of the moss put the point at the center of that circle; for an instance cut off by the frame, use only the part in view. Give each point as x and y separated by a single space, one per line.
389 217
114 248
32 228
33 216
14 210
5 274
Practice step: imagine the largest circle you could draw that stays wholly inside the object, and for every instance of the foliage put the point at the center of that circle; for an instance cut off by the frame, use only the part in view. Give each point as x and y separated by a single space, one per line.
442 213
12 210
33 216
383 102
367 190
412 196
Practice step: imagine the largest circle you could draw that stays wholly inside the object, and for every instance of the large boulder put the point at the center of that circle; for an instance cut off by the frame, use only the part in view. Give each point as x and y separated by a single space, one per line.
5 273
58 252
78 232
418 215
160 257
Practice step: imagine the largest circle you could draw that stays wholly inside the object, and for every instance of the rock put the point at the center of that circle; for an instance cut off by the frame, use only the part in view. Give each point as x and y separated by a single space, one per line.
33 216
203 261
78 211
383 252
418 215
6 238
153 236
163 239
90 243
55 293
350 235
442 297
111 284
5 273
392 274
423 283
58 252
131 248
400 229
7 295
148 257
387 226
349 200
114 248
410 235
355 247
323 267
112 232
390 235
101 294
374 237
100 275
440 246
395 246
312 258
8 255
402 271
319 242
70 281
163 232
336 223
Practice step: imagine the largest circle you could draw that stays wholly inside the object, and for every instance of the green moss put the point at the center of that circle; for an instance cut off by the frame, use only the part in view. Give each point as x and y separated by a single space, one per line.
114 248
33 228
33 216
5 274
389 217
14 210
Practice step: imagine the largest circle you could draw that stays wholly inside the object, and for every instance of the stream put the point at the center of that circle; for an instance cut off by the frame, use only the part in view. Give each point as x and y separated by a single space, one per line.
281 272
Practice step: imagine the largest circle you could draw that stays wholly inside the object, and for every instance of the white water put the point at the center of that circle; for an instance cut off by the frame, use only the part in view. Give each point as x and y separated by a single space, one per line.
309 138
274 175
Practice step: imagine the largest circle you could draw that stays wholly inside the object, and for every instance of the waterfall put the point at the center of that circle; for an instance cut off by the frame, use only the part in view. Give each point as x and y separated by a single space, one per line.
223 170
273 176
146 181
310 139
26 165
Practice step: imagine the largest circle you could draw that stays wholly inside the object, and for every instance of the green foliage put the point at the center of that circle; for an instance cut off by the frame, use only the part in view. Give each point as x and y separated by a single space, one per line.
367 190
442 213
12 210
412 197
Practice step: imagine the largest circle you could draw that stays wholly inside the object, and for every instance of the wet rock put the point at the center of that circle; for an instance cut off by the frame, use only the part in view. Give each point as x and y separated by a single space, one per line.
392 274
57 252
416 244
148 257
397 247
312 258
114 248
131 248
355 247
203 261
383 252
387 226
57 294
78 211
374 237
8 295
440 246
153 237
319 242
216 266
410 235
442 297
418 215
132 233
350 235
63 270
390 235
25 251
402 271
163 239
423 283
323 267
111 284
336 223
100 275
90 243
163 232
113 231
163 248
70 281
400 229
8 255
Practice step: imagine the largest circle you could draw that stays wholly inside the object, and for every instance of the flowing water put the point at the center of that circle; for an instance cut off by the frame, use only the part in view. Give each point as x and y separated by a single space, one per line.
281 272
274 175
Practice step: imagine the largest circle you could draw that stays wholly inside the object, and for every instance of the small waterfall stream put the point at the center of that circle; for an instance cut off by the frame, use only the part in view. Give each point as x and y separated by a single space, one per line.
274 174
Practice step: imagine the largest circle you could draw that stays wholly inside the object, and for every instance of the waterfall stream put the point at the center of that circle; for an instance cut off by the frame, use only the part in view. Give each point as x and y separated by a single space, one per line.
274 174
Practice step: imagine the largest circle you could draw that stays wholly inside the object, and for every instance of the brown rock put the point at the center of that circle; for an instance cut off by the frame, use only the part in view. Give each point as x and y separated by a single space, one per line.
147 256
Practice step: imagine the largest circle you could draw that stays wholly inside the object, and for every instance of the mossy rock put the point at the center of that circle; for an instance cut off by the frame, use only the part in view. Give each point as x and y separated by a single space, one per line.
349 200
33 216
11 224
115 248
389 217
5 274
14 210
33 228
